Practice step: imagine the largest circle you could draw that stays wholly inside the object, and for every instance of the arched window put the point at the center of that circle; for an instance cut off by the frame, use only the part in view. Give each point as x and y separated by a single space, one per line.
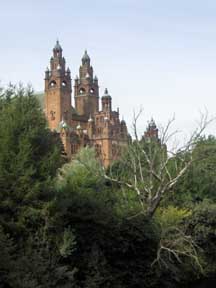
64 83
98 150
52 84
82 91
92 91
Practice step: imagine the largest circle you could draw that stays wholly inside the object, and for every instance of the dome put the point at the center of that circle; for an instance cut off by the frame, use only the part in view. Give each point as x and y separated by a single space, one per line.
106 94
85 57
123 122
57 46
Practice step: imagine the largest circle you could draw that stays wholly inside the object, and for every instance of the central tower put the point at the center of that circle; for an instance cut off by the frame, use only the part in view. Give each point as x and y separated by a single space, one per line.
86 90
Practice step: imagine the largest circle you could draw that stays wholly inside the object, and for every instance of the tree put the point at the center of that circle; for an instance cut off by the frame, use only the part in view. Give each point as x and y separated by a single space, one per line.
7 259
199 181
202 226
153 170
112 250
178 257
30 155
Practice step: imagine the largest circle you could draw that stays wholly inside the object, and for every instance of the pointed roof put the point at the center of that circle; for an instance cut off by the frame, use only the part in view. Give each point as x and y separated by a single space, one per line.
106 94
57 46
152 124
85 57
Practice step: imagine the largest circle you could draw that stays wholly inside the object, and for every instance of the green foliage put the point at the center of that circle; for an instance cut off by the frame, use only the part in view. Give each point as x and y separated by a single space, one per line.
178 258
69 243
199 181
109 247
39 264
171 216
7 259
30 154
202 226
73 227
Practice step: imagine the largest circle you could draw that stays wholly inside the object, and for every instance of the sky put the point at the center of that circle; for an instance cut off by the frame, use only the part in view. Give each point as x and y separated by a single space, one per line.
160 55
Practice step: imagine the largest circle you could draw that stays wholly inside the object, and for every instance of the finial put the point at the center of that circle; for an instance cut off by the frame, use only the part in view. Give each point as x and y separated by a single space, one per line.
57 46
106 91
90 119
152 123
78 127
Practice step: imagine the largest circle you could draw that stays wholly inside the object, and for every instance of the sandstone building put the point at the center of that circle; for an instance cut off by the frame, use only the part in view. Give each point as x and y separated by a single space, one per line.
85 123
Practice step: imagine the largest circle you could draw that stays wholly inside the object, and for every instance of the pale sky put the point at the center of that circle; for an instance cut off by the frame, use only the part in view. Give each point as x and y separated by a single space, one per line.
160 54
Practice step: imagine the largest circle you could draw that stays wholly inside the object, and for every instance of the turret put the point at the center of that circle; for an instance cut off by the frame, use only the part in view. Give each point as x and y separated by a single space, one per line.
151 131
106 102
86 90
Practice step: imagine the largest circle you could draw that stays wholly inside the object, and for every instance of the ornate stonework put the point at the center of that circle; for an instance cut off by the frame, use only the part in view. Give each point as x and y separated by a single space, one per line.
85 123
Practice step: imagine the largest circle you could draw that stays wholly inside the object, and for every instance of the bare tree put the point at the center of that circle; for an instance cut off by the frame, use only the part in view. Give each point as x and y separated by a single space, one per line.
152 170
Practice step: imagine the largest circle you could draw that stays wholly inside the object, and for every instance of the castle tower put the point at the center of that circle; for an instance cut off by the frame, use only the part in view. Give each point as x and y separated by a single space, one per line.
86 90
106 101
57 90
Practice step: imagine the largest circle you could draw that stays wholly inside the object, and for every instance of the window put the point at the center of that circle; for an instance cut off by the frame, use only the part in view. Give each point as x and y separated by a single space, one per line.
52 84
64 83
82 91
52 115
98 150
92 91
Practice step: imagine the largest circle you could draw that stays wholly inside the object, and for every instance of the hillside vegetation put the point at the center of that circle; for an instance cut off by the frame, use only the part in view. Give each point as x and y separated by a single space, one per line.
75 225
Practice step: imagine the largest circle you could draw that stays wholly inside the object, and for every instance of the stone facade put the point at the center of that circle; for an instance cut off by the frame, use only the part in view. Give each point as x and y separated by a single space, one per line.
84 124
